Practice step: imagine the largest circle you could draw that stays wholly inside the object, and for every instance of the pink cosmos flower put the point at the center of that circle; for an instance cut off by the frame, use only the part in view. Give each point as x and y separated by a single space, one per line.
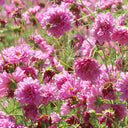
108 82
107 117
39 55
86 116
31 111
6 83
82 94
30 71
72 120
87 69
121 64
27 15
58 66
42 44
6 123
9 9
104 4
121 20
122 86
19 2
61 78
65 108
55 117
86 48
95 100
77 41
3 115
69 88
103 27
56 20
18 54
2 2
20 126
120 34
48 93
48 75
120 110
29 91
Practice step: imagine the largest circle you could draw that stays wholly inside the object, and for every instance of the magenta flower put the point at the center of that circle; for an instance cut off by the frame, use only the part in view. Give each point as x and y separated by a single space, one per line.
6 83
30 71
72 120
120 34
107 117
27 16
69 88
121 64
31 111
29 91
103 27
18 54
42 44
65 108
120 110
6 123
121 20
87 69
95 100
108 81
105 4
122 86
48 93
86 48
56 20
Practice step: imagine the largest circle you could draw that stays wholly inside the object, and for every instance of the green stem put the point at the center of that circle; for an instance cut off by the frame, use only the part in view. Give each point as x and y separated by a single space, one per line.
87 9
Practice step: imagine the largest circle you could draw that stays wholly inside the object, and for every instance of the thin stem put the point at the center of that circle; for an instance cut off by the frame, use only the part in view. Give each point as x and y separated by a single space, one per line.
87 9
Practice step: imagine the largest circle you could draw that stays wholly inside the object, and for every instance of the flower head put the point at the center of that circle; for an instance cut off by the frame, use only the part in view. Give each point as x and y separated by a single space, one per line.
122 86
56 20
95 100
120 34
103 27
87 69
29 91
17 54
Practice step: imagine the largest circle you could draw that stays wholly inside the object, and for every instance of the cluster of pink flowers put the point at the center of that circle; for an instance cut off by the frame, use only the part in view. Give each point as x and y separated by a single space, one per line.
69 66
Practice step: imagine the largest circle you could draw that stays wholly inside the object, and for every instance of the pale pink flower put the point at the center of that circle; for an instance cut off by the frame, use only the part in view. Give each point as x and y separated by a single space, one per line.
55 117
